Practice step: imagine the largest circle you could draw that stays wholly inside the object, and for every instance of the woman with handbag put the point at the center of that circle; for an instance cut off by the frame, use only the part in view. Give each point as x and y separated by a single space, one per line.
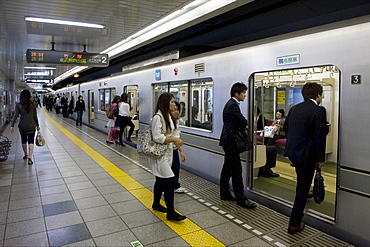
27 123
111 121
163 127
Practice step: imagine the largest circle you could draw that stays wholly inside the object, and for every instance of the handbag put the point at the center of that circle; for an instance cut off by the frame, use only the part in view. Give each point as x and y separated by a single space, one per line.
148 147
240 140
269 131
109 113
40 141
318 186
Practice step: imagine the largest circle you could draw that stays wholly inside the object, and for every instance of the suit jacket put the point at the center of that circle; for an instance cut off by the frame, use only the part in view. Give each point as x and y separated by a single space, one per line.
233 119
307 129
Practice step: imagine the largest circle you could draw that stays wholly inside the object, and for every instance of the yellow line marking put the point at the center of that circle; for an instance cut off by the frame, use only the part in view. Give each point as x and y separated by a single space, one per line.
188 230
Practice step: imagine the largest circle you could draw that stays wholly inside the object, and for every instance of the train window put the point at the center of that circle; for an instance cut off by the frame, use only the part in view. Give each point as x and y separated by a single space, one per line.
280 90
105 98
158 89
180 91
133 100
201 110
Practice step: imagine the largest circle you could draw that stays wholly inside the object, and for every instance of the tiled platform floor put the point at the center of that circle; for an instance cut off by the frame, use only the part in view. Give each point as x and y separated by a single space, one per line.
67 198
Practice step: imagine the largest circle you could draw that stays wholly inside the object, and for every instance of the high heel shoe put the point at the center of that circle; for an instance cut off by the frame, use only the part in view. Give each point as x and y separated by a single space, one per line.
25 157
30 162
109 142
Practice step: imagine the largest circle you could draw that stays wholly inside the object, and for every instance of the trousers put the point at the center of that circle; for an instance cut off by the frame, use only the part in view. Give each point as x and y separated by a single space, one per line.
305 173
232 168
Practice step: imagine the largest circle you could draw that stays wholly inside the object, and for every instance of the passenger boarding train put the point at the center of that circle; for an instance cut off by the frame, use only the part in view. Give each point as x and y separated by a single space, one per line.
274 69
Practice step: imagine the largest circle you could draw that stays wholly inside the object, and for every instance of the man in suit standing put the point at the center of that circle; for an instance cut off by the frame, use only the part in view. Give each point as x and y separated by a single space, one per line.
233 119
307 129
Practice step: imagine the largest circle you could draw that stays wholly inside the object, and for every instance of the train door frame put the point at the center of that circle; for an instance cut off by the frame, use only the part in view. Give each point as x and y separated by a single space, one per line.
91 98
333 115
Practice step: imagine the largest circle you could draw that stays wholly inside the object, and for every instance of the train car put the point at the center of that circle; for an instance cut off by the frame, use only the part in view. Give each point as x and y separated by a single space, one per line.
275 69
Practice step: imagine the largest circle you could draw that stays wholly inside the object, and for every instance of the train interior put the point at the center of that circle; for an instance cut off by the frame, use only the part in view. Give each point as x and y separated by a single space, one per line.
274 90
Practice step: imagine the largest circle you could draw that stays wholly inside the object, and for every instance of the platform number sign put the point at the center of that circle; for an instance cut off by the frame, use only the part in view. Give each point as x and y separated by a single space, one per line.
355 79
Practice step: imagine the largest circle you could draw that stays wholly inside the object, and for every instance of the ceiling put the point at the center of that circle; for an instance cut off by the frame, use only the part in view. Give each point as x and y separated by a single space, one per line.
239 22
121 18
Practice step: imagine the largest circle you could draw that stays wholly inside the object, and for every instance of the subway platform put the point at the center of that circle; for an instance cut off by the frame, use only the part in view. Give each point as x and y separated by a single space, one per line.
82 192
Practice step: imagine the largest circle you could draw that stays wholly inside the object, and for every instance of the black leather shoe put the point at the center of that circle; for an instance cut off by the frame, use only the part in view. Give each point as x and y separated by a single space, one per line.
246 204
159 208
270 174
175 216
228 197
295 229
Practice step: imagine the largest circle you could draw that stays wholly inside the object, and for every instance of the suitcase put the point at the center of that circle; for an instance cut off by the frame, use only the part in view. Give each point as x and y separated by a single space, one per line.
115 133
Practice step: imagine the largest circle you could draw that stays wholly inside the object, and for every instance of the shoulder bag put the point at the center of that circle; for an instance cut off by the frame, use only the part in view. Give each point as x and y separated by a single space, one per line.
109 113
240 140
148 147
318 187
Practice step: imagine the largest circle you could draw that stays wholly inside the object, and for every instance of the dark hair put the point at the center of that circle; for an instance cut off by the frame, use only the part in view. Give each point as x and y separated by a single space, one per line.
178 105
25 99
116 99
163 104
311 90
124 97
194 112
238 87
80 96
282 112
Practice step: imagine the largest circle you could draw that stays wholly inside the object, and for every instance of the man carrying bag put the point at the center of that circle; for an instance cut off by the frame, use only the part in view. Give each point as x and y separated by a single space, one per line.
233 121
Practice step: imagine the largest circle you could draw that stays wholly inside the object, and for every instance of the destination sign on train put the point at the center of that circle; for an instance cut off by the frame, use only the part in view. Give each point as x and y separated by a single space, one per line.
67 58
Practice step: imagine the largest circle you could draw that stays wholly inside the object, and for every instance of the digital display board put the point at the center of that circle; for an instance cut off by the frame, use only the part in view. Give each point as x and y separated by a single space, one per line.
67 58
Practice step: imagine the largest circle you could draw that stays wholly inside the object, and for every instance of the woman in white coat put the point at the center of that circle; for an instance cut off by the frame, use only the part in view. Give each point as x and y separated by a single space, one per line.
163 128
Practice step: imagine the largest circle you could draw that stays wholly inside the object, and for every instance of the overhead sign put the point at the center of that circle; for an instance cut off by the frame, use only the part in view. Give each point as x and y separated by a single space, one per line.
67 58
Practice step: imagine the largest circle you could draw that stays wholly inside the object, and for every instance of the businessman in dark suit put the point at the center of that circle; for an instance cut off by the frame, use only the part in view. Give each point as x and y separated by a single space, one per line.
307 129
233 119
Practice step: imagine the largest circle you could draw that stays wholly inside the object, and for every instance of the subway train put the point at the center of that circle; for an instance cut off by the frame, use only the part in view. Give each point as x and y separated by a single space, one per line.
274 69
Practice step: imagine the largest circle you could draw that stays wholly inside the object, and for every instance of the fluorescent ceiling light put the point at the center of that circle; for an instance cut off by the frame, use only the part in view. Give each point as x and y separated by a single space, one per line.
39 68
61 22
189 13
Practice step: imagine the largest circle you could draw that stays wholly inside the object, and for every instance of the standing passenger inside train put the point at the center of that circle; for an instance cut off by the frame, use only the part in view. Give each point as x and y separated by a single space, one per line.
307 129
111 122
124 119
27 123
233 119
80 108
176 159
163 128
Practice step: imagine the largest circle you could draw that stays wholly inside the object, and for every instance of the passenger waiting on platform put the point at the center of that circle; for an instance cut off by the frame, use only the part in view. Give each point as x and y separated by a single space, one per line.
64 104
111 122
27 124
163 128
176 159
57 104
124 119
233 119
80 108
279 123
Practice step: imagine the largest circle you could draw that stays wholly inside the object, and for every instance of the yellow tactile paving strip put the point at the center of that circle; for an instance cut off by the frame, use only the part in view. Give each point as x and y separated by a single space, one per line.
188 230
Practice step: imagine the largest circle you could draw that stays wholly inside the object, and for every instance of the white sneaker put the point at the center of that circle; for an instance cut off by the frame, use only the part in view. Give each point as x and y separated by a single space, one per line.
180 190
